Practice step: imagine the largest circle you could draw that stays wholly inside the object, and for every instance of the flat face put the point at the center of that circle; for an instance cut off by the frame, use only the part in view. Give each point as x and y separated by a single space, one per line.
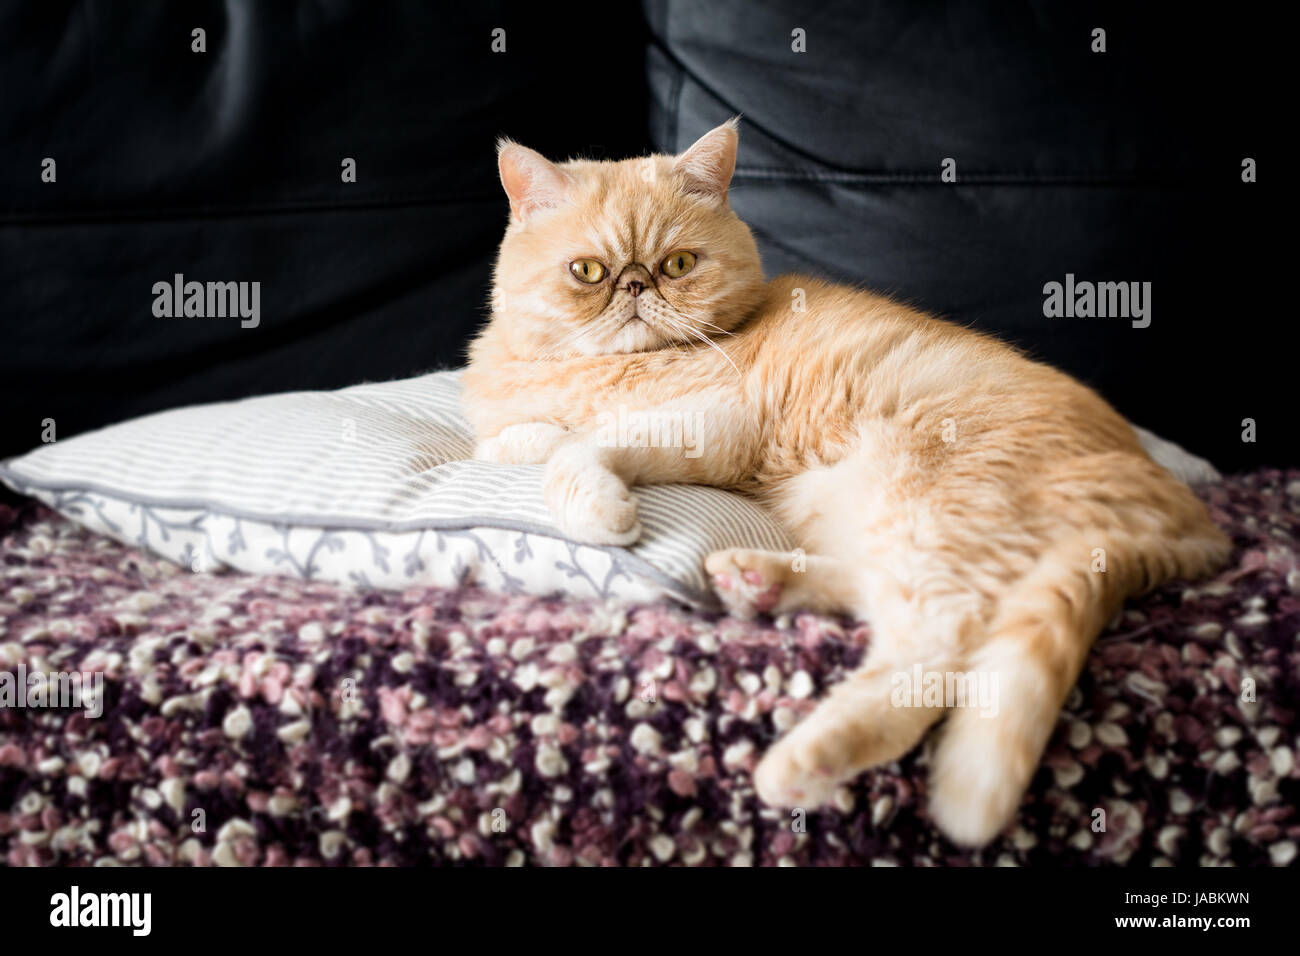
631 261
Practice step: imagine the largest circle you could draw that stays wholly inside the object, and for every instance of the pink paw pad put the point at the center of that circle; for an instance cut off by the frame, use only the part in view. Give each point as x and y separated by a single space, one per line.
749 587
766 599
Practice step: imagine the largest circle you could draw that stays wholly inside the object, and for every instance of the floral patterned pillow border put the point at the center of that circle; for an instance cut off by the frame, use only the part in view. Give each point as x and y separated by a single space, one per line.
498 558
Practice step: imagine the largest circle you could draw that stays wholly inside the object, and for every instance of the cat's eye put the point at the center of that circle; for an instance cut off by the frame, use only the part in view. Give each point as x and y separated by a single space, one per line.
587 270
678 264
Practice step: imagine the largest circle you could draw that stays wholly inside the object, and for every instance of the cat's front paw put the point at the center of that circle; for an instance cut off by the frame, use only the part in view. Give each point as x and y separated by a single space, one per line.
528 443
589 502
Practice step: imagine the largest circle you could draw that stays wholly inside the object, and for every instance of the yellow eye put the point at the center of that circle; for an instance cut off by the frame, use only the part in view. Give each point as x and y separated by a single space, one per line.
587 270
678 264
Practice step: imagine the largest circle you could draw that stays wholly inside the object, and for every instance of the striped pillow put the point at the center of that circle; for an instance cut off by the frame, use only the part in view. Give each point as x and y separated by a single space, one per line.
370 485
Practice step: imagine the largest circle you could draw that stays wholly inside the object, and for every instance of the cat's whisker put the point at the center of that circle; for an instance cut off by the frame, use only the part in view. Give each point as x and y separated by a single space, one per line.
717 328
713 330
703 338
698 322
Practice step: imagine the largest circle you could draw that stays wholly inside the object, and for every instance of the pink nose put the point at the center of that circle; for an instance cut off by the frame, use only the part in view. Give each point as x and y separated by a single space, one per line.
635 288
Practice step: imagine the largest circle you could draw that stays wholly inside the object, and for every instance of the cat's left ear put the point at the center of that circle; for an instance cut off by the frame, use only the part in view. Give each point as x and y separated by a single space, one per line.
708 165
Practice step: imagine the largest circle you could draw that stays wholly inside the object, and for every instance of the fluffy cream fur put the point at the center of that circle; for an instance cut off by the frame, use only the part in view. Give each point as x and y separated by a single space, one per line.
984 512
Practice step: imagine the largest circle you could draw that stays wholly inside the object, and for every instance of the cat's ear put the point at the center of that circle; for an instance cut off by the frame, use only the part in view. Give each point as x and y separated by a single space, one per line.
708 165
531 180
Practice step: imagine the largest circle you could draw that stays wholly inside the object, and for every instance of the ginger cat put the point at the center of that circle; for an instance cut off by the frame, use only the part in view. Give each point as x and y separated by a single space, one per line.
945 488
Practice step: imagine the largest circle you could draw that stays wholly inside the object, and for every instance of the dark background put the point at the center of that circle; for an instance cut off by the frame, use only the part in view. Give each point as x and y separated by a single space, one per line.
225 166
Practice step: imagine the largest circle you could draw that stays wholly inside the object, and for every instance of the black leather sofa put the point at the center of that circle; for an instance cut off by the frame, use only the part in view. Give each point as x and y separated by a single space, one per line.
226 164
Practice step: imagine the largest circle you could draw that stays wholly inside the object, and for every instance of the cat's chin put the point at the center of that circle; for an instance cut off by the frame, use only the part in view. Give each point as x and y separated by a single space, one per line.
634 335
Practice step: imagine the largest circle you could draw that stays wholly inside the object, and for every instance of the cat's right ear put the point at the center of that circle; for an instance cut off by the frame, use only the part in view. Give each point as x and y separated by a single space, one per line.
707 167
532 181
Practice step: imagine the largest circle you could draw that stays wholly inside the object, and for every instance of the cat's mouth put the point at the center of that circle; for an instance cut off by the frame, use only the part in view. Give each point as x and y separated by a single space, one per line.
633 315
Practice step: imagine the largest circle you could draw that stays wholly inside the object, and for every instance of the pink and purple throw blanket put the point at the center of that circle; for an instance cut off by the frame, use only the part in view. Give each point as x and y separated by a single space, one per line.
261 720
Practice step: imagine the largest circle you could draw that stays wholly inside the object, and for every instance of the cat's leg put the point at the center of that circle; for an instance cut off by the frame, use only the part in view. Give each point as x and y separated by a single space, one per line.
1047 622
588 500
920 638
985 758
912 573
528 443
1038 642
711 440
750 582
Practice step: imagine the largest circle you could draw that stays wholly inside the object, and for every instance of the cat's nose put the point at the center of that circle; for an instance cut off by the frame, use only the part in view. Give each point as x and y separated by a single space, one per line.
634 288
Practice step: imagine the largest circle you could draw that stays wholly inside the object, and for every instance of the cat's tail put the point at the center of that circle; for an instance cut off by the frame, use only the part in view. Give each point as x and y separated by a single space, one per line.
985 757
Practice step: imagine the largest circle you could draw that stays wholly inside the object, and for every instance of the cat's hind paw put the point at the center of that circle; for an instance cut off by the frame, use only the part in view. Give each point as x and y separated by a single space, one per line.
747 582
805 767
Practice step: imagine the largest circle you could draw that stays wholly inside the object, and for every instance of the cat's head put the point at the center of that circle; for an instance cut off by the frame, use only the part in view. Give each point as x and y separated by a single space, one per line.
631 256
